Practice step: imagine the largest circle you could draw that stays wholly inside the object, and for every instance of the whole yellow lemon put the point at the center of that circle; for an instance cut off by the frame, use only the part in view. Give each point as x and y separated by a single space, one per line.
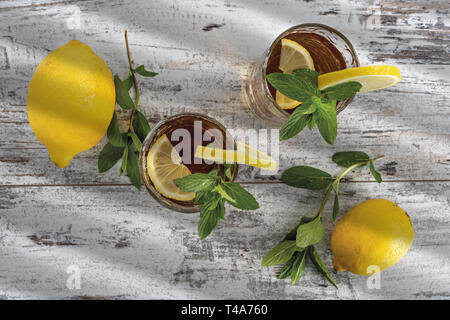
71 100
376 233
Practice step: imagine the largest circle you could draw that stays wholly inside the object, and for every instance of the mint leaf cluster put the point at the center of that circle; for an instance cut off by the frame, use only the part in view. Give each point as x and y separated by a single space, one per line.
126 145
293 255
318 106
212 191
299 243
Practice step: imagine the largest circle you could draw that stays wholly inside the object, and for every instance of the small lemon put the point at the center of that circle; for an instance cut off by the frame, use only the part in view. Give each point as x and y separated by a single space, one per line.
71 100
376 232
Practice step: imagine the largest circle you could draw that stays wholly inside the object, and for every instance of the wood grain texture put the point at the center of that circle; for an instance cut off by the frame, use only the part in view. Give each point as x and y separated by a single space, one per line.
126 245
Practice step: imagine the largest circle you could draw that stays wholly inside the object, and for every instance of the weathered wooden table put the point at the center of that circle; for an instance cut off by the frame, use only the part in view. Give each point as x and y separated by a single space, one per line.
54 222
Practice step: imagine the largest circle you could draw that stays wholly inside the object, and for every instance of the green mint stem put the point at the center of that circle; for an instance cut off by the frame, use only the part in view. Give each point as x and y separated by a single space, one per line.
130 63
377 158
324 201
338 179
136 88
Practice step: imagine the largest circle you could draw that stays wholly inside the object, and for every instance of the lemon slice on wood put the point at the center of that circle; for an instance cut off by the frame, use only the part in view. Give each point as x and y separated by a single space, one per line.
371 77
244 154
163 166
293 56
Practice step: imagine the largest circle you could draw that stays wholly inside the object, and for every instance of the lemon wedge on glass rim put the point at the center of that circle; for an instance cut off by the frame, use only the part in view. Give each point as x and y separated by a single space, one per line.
163 166
370 77
244 154
293 56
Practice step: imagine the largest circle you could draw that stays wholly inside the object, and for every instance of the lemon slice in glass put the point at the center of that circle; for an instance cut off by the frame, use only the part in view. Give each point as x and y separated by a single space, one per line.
293 56
284 102
244 154
371 77
163 166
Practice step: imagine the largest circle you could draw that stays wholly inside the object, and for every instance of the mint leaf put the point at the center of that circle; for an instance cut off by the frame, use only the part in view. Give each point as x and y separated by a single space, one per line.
286 270
220 209
141 70
123 98
238 196
309 233
201 196
123 166
208 221
342 91
293 233
214 172
349 158
133 168
114 135
316 108
128 82
311 120
293 125
327 119
307 74
140 125
306 177
307 107
228 174
374 172
292 86
211 201
136 142
319 265
280 253
298 267
196 182
228 171
108 157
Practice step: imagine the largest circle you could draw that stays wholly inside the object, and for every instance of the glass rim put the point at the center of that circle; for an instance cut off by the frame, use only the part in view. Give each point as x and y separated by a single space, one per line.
283 34
168 203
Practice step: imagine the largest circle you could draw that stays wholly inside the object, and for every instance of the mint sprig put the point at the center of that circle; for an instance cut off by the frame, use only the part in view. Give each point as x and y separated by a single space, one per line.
212 191
299 243
126 145
318 106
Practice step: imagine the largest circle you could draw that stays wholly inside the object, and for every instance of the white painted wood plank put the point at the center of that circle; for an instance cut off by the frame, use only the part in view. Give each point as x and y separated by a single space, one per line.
127 246
203 71
415 140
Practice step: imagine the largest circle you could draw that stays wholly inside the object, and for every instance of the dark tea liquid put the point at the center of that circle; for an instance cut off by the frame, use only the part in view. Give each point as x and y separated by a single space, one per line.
326 57
192 125
194 132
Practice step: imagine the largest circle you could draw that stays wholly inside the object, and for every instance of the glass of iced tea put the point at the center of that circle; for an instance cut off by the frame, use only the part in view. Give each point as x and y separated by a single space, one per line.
168 153
329 49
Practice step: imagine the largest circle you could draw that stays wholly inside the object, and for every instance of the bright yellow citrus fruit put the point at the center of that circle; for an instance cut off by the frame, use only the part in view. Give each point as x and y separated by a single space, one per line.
244 154
293 56
71 99
375 233
371 77
284 102
163 166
